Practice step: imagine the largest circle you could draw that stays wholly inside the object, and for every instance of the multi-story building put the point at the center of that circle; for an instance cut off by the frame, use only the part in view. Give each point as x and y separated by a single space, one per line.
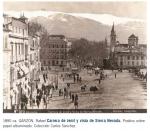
131 54
17 60
54 52
127 55
6 67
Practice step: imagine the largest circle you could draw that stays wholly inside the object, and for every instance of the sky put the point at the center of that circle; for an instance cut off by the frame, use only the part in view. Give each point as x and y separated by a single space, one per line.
136 10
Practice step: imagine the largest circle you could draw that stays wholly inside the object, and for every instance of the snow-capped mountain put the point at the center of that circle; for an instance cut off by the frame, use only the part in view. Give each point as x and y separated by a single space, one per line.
77 27
90 26
106 19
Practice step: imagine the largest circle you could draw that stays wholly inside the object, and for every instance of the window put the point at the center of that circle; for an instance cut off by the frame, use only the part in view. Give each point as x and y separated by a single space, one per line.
137 57
141 62
16 50
53 62
15 29
11 75
133 63
142 57
137 63
12 52
6 44
23 31
128 57
133 57
57 62
49 62
22 49
19 49
121 57
128 63
44 62
121 63
26 51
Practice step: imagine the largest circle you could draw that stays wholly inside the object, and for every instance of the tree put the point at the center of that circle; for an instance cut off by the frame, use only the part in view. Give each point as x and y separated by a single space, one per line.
84 51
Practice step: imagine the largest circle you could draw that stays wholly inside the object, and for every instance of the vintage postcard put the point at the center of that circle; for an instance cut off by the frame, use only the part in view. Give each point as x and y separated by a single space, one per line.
74 57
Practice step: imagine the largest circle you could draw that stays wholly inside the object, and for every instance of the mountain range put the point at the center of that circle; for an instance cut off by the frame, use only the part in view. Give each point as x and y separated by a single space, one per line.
77 26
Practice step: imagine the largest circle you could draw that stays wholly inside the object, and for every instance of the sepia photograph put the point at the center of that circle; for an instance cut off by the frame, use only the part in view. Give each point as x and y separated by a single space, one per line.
74 57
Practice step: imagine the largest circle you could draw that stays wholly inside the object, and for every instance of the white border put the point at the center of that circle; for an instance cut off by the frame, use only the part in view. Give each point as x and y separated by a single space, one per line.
100 126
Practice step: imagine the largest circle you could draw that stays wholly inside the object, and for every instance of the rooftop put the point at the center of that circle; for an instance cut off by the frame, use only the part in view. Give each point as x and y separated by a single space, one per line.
133 36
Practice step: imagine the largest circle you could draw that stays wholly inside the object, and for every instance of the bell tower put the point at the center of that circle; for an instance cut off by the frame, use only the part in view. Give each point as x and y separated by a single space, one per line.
112 39
112 47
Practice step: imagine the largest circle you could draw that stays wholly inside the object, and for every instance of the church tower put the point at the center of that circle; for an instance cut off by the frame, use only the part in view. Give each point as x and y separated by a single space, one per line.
112 39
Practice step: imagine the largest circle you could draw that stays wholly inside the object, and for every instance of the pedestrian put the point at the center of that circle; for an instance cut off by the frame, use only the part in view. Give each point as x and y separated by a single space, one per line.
36 86
51 92
45 102
56 87
37 101
99 80
77 77
65 92
43 87
72 97
80 79
76 102
30 100
70 94
68 85
60 92
115 75
76 97
74 79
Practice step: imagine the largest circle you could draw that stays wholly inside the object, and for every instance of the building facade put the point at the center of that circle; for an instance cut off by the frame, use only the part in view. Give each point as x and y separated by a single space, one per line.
127 55
6 67
54 52
21 61
131 54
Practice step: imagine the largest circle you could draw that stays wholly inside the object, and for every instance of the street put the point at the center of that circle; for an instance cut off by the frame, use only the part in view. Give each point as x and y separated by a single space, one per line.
123 92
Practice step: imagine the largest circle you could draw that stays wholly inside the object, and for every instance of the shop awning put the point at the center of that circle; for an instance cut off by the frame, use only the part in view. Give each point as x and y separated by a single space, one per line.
20 70
25 69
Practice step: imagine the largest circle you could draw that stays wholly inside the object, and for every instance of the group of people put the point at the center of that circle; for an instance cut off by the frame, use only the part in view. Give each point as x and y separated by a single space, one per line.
45 91
77 78
66 93
44 94
141 75
101 77
74 98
